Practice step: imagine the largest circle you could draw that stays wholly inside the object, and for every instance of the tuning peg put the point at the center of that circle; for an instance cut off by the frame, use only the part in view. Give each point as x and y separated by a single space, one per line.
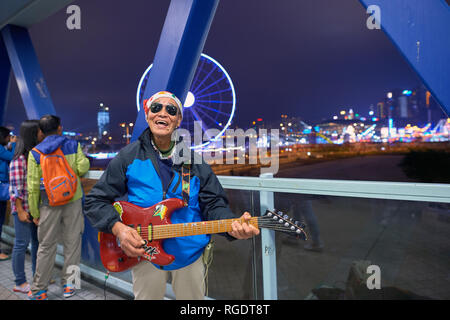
275 218
285 217
286 224
269 214
299 224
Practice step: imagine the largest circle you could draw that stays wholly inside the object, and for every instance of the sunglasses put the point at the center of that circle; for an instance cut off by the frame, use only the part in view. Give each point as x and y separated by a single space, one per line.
157 107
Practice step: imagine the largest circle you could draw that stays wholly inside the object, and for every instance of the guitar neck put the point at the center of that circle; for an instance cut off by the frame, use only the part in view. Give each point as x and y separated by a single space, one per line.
196 228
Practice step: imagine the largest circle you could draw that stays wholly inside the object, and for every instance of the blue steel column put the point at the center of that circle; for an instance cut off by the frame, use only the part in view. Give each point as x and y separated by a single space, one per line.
269 259
420 29
27 71
182 39
5 70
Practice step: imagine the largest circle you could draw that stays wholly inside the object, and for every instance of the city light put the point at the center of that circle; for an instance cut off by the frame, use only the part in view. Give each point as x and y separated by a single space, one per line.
407 92
190 100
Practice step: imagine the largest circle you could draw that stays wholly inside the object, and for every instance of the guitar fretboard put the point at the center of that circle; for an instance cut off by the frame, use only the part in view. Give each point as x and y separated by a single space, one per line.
196 228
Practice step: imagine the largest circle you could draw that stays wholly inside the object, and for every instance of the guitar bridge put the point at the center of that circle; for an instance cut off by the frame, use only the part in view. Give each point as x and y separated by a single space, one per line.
150 251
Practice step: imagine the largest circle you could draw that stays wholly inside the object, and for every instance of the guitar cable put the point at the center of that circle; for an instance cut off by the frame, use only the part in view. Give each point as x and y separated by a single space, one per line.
207 260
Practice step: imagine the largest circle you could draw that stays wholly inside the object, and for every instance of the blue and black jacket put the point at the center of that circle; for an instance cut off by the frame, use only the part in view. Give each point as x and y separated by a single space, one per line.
138 172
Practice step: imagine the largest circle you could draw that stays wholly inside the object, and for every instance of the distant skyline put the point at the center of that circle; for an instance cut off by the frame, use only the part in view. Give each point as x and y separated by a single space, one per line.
306 59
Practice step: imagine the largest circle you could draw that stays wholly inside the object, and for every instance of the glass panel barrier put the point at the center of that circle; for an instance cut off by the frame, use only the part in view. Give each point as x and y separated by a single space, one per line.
230 275
372 249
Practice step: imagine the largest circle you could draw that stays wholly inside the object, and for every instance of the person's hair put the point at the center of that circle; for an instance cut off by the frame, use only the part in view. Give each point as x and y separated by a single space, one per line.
28 138
49 124
4 133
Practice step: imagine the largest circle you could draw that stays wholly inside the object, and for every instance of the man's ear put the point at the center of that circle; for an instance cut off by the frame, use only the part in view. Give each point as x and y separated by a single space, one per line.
60 130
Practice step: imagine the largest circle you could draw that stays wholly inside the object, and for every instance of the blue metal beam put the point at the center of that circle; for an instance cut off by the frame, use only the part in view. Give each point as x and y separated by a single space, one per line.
420 29
27 71
25 13
5 70
182 39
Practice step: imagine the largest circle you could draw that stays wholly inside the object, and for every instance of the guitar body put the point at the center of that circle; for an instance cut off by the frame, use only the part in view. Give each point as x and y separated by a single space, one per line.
153 225
143 220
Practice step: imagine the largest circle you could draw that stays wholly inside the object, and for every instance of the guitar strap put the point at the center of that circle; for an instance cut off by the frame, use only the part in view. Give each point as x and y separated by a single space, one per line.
186 181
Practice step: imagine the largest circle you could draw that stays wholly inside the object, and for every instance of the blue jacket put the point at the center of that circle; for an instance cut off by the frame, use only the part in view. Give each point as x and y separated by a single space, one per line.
5 158
136 172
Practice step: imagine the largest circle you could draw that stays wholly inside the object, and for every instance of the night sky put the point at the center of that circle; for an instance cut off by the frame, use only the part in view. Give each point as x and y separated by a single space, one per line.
308 58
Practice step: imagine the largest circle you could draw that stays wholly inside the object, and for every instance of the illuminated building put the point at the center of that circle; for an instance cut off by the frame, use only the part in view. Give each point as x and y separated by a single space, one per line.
103 121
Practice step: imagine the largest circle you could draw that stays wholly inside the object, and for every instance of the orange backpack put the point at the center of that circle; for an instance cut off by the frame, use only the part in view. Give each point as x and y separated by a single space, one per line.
59 179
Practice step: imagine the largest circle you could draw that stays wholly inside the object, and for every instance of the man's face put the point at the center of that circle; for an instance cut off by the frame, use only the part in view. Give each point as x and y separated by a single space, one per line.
163 124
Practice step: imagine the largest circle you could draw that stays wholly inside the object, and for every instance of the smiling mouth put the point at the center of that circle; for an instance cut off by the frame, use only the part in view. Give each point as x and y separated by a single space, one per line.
162 123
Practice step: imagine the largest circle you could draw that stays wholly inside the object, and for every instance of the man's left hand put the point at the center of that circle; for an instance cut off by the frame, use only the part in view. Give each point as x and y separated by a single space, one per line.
243 230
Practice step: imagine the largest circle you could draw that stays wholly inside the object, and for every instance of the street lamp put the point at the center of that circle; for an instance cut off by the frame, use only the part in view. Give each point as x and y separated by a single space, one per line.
127 129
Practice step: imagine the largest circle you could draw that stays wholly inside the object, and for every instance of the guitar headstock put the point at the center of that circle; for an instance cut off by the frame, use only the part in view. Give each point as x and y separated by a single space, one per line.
278 221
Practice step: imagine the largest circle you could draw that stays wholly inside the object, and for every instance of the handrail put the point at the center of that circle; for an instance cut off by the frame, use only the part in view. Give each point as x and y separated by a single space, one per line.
408 191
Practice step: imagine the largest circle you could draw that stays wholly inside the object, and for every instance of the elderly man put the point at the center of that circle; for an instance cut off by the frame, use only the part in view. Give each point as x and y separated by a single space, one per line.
145 171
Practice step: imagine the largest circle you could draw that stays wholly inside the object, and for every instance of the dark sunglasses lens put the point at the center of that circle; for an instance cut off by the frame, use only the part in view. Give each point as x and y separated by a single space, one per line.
156 107
172 110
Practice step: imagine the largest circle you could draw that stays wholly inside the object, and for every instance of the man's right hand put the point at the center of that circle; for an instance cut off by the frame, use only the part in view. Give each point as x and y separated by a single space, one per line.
23 216
130 241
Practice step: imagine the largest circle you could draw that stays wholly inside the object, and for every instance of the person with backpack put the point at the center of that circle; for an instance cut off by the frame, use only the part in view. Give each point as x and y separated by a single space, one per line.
7 146
55 200
25 230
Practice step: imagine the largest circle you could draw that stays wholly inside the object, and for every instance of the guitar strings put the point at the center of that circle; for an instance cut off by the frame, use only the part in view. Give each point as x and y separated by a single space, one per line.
182 229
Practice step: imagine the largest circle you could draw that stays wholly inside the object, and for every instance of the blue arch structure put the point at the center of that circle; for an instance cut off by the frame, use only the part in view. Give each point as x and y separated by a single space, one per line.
421 31
17 54
182 39
27 71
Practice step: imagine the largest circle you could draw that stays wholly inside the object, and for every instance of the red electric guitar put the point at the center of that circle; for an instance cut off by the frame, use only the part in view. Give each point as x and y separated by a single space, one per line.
153 225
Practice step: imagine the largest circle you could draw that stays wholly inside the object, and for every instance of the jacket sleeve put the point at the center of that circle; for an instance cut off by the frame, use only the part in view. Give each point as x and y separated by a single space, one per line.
34 174
112 184
6 154
82 162
17 179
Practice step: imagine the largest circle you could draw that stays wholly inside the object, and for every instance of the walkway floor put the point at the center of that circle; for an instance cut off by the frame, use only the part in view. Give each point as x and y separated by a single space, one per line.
88 291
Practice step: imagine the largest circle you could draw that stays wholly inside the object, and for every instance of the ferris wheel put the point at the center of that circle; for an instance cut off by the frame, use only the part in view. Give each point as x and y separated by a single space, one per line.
210 102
